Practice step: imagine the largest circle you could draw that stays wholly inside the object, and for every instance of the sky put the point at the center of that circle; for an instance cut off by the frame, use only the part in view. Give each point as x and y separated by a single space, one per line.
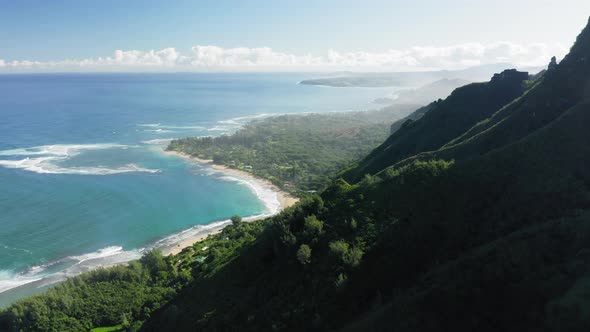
283 35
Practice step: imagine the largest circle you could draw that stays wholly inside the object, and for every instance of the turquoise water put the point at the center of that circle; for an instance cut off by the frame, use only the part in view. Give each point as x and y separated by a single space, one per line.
84 182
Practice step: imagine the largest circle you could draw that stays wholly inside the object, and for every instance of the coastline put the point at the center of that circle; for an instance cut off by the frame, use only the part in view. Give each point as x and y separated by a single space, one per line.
273 198
201 232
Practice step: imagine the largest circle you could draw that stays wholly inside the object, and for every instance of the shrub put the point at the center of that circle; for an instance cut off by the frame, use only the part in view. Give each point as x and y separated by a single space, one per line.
304 254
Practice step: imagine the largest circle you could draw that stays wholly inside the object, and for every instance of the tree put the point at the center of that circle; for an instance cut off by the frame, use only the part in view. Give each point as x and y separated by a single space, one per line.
125 324
236 220
313 228
353 224
154 262
304 254
353 257
339 249
347 255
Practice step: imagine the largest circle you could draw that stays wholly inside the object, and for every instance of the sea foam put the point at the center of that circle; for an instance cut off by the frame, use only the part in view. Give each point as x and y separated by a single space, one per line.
159 128
46 159
159 131
10 280
60 270
158 141
263 192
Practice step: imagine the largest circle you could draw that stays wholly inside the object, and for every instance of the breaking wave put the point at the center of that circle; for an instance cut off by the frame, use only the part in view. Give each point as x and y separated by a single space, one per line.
60 270
158 141
46 159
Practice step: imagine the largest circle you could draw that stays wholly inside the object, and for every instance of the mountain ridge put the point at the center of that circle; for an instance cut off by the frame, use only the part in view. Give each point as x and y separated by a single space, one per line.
444 120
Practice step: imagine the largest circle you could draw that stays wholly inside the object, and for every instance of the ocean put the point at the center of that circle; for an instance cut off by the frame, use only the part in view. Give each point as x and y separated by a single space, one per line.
84 181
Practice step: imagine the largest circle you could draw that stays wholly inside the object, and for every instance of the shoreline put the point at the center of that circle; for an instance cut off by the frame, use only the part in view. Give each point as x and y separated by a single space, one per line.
284 200
272 197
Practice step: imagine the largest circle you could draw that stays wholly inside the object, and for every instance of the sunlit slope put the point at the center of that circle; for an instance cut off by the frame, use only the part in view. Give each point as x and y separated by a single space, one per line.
444 121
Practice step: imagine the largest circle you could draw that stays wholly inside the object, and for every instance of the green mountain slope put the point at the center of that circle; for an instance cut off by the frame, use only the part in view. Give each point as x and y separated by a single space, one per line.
560 89
495 243
416 115
444 121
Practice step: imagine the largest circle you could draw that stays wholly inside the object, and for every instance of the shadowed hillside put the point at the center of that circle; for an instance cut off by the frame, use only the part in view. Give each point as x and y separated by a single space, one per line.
444 121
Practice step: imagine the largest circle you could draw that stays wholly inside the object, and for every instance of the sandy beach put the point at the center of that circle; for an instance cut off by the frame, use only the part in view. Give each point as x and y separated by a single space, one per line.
201 232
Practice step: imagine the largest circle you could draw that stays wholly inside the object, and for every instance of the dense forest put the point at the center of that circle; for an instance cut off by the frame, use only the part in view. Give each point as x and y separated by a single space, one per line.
298 153
482 224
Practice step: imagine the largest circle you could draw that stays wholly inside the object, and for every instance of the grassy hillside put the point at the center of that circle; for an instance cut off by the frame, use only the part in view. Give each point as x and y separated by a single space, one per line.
444 121
416 115
555 93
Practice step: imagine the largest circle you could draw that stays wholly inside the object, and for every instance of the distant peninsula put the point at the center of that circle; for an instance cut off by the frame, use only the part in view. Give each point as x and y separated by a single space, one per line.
354 81
410 79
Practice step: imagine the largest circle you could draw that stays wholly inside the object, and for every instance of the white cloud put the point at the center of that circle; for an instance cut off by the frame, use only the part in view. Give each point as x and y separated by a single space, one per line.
215 58
166 57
